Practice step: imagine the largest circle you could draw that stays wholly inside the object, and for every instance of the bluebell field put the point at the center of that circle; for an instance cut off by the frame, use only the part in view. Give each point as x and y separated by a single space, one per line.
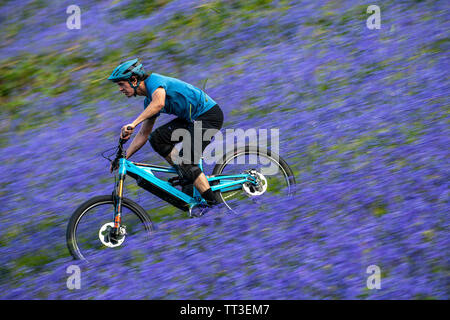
364 123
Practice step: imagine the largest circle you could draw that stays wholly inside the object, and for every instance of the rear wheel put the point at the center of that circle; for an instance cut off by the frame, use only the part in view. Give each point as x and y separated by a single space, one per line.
88 228
273 173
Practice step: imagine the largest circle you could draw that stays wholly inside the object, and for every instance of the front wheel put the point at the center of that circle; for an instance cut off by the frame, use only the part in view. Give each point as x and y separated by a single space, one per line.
273 173
87 228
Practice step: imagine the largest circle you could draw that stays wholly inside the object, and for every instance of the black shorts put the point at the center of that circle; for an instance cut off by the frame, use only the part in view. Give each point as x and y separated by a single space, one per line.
163 139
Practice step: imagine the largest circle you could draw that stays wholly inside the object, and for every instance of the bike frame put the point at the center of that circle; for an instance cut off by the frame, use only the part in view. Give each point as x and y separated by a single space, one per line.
144 175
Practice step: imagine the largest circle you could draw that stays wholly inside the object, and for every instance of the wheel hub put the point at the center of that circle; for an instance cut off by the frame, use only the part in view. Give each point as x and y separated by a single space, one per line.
108 238
261 184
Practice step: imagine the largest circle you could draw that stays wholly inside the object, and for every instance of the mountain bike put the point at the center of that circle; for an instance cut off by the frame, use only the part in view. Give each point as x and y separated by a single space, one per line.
105 221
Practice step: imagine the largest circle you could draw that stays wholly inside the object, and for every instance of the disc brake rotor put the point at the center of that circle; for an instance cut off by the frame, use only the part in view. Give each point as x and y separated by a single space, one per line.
107 238
261 187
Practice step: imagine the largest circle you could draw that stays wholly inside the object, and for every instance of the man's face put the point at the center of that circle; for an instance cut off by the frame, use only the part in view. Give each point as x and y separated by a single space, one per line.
125 88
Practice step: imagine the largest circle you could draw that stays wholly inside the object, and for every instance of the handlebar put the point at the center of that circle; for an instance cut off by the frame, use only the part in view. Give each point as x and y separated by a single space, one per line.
122 141
120 152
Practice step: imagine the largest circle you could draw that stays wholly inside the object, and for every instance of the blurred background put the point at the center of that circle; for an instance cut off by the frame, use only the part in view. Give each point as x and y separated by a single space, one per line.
363 120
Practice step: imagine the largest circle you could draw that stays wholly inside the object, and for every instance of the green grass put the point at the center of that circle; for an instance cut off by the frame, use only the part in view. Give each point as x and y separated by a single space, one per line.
166 213
136 8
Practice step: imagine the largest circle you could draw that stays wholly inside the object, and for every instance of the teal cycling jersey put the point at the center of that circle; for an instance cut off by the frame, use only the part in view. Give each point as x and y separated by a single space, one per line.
182 99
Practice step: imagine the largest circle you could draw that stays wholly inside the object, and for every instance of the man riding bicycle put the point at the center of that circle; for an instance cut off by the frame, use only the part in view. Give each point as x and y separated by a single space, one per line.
168 95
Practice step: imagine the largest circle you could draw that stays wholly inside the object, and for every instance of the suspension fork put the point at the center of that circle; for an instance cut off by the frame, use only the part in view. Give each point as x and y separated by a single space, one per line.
119 196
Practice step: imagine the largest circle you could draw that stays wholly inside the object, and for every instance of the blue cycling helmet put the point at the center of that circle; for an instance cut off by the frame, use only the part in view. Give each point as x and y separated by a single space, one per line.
125 70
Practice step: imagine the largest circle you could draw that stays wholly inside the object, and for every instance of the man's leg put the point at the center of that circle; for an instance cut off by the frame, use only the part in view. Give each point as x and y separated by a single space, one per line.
193 173
211 120
161 139
162 143
174 160
201 183
173 156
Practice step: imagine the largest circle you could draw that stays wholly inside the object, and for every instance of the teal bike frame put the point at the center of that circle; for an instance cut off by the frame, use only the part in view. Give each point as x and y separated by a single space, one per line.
145 178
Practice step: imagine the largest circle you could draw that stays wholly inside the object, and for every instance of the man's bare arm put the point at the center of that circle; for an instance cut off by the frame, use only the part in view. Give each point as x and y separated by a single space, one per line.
141 138
157 103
